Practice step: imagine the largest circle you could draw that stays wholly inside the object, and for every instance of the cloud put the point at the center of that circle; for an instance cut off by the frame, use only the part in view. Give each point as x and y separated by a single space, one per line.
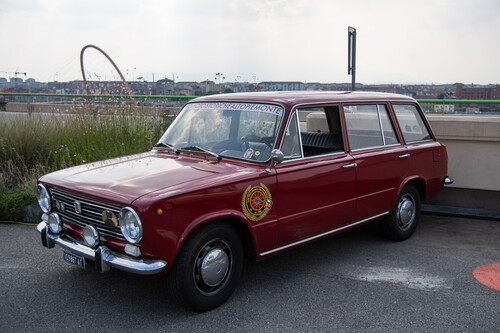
443 40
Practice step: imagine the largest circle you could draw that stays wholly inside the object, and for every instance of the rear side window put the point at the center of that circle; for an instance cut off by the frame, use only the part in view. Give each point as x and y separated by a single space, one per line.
369 126
411 123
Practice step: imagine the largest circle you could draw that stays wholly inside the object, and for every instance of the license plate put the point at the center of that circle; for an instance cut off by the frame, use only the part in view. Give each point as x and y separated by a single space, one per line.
74 259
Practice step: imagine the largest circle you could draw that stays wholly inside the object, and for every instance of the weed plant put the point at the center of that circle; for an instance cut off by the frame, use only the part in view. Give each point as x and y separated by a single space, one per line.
33 145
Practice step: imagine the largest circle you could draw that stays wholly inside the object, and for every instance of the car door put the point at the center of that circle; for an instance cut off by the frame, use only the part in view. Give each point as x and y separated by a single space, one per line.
427 156
317 180
381 160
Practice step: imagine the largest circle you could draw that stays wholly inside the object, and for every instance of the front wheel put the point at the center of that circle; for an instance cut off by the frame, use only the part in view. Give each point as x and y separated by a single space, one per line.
403 218
208 267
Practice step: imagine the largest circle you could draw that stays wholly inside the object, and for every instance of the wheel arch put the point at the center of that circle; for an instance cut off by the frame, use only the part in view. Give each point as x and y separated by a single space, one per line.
230 219
418 183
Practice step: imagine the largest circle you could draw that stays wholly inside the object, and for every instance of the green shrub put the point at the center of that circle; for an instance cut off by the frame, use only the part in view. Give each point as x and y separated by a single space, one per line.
31 146
14 200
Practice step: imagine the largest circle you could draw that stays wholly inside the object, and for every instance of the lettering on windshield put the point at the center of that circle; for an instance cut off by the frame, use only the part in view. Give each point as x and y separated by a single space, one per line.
266 108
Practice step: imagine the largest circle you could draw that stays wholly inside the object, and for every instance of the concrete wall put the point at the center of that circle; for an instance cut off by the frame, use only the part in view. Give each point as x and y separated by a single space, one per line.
473 144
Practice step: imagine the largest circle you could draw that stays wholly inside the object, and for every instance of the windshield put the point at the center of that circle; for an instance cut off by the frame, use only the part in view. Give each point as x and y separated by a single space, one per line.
242 130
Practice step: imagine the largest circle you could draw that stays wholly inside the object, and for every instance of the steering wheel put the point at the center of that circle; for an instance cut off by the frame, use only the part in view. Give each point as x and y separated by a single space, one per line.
253 138
249 137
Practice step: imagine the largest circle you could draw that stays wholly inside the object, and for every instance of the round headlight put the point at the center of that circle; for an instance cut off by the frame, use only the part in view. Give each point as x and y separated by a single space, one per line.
130 225
55 224
90 236
43 198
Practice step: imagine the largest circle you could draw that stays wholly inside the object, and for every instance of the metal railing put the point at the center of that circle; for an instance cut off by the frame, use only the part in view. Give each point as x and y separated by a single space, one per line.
472 106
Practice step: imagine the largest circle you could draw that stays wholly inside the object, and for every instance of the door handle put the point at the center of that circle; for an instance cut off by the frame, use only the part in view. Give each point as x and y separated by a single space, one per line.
404 156
352 165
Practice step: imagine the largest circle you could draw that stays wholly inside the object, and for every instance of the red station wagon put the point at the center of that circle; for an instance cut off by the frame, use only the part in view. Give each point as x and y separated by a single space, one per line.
246 175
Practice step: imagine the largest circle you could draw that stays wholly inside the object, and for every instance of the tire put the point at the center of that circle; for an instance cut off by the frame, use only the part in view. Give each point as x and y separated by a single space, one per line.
208 267
403 218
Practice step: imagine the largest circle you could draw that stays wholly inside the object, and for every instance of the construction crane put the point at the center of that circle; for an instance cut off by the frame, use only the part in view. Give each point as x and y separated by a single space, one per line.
15 73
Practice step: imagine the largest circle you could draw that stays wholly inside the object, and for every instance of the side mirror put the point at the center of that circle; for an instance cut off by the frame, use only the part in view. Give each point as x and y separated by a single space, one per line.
276 158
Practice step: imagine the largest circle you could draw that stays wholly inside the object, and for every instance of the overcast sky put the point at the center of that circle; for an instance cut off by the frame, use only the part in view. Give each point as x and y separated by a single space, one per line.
398 41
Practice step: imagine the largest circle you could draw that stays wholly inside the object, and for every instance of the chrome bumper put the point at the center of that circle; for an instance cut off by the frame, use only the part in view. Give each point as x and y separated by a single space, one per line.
103 257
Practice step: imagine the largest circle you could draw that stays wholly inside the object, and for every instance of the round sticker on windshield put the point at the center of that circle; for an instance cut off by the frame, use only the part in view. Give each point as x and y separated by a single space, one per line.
248 153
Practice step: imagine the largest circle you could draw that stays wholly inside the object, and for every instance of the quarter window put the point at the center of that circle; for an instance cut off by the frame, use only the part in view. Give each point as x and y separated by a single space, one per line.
369 126
411 123
291 143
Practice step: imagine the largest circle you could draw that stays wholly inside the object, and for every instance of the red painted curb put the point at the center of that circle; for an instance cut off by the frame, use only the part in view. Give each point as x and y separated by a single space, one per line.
489 275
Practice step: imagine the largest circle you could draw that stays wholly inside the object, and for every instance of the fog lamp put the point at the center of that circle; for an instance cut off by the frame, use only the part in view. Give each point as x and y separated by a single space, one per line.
90 236
55 224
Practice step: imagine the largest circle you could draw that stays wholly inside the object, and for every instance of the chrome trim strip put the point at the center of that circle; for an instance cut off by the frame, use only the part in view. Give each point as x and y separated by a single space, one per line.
311 157
322 235
380 124
375 147
113 259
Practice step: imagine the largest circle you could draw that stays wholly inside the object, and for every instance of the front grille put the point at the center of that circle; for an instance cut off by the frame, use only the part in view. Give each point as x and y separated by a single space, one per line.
91 212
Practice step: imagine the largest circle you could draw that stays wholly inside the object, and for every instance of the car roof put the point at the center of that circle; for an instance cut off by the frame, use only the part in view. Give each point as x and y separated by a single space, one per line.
292 98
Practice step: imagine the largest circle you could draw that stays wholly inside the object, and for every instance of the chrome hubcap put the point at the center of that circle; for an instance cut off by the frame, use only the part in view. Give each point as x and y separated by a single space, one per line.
214 267
406 211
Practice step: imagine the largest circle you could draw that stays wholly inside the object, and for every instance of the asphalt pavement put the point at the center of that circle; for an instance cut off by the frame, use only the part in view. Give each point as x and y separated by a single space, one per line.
353 282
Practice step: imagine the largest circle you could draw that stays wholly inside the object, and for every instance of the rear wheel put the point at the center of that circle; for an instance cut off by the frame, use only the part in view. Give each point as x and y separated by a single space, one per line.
403 219
208 267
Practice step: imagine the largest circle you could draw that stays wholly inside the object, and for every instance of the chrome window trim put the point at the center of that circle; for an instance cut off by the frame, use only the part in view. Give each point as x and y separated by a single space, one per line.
380 124
322 234
315 156
377 147
420 141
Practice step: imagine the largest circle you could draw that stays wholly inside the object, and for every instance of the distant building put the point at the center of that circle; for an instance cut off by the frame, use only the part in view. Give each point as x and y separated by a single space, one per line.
164 87
479 93
463 92
282 86
207 86
444 108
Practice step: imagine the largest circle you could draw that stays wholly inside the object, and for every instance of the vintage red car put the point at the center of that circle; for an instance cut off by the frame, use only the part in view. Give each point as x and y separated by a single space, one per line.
246 175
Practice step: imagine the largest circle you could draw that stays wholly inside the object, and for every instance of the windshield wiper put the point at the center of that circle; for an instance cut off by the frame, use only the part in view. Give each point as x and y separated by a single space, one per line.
167 145
198 148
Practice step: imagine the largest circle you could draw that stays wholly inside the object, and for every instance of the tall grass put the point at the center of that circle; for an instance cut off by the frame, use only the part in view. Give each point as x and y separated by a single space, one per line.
31 146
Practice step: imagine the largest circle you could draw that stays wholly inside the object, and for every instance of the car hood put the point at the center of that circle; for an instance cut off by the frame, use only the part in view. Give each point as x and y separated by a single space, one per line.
127 178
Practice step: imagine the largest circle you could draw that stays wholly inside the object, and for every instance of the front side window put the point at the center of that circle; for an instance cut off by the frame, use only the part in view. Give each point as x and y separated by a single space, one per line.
369 126
411 123
241 130
319 132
